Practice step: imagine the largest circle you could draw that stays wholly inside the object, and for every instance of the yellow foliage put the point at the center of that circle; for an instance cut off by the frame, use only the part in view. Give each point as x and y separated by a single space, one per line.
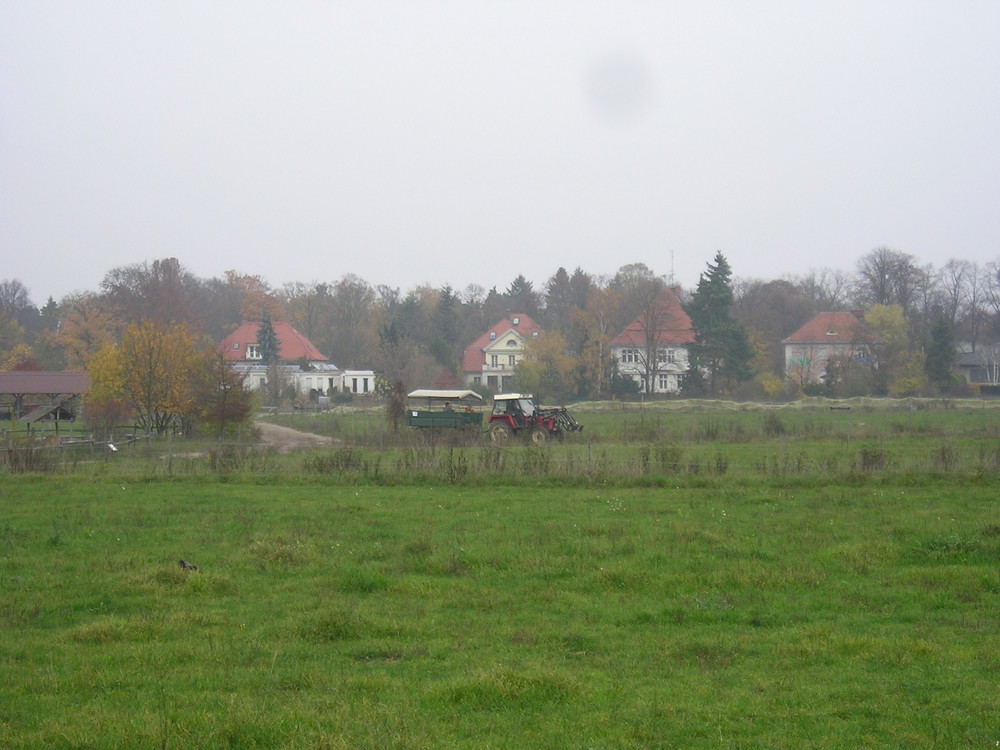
87 326
152 369
771 384
20 353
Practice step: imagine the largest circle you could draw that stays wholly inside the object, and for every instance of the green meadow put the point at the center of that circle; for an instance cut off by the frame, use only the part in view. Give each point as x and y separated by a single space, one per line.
709 579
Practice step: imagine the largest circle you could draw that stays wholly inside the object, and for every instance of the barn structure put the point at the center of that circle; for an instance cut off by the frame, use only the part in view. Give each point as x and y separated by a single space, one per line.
31 395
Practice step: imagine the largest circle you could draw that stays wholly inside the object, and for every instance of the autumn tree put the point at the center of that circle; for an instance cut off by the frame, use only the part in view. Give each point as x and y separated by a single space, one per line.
721 350
152 369
106 404
221 399
547 367
897 367
88 326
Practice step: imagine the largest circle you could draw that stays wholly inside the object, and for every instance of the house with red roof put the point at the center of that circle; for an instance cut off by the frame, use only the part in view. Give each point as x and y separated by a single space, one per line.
827 336
653 348
490 359
301 363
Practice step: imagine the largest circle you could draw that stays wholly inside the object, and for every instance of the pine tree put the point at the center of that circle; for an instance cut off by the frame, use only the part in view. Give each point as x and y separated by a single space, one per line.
267 344
940 353
267 339
722 349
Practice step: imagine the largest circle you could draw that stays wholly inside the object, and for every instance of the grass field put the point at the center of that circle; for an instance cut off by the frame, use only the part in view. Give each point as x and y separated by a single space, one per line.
335 607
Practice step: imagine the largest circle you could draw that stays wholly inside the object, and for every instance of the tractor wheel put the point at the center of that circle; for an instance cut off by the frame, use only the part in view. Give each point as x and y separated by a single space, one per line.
539 435
500 432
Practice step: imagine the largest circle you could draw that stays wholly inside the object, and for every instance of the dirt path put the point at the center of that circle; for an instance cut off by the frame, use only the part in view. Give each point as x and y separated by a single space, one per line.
285 439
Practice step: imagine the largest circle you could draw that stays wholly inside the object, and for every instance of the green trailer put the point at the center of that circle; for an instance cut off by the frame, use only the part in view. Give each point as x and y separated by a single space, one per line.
445 409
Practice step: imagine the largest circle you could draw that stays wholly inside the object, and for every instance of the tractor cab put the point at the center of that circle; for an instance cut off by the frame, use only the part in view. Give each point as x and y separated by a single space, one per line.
516 405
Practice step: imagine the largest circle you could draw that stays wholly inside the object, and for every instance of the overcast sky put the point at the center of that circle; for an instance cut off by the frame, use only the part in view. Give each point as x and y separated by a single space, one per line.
468 142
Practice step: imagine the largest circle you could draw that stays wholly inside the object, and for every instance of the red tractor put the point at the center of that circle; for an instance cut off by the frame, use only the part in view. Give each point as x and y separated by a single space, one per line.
516 414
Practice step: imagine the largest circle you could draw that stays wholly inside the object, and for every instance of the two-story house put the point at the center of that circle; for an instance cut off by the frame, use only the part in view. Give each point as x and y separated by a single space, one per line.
653 348
490 360
828 335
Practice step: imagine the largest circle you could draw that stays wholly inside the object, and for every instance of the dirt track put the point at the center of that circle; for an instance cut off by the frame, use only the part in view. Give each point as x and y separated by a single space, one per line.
286 440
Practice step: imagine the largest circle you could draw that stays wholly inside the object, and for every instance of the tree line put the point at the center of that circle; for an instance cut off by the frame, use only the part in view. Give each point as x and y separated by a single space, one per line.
417 336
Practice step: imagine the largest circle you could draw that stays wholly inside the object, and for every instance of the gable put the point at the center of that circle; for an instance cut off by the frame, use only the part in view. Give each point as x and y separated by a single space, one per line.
292 345
834 328
672 325
516 327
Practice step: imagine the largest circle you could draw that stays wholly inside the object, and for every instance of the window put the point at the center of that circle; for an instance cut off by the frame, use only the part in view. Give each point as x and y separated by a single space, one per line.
253 351
476 379
511 360
493 335
671 356
515 321
494 360
534 334
511 342
236 346
630 356
664 382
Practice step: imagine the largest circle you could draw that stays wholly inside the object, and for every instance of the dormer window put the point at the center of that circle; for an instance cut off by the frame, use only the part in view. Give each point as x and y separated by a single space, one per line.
493 335
515 321
253 351
236 346
831 332
534 334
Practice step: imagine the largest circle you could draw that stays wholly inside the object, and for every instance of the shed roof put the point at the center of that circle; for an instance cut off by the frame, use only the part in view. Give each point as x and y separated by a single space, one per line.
43 382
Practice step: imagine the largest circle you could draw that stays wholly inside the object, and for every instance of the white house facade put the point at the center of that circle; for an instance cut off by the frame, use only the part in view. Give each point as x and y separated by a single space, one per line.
653 348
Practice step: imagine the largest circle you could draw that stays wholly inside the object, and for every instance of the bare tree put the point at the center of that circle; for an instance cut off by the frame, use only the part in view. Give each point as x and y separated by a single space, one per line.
159 291
353 298
14 297
889 277
827 290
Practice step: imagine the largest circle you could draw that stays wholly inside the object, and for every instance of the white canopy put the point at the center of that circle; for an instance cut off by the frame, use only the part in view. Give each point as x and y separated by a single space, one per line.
446 395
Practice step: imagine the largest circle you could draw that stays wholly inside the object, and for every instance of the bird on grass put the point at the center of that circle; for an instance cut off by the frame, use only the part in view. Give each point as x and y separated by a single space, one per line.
187 566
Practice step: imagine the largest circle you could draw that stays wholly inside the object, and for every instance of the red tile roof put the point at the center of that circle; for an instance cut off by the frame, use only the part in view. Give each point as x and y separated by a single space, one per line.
834 328
36 382
673 327
475 358
292 345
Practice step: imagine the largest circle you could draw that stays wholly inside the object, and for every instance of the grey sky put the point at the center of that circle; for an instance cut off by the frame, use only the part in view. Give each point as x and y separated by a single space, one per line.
467 142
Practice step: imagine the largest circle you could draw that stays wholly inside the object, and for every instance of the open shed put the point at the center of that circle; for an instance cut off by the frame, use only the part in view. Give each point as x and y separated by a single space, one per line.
31 395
